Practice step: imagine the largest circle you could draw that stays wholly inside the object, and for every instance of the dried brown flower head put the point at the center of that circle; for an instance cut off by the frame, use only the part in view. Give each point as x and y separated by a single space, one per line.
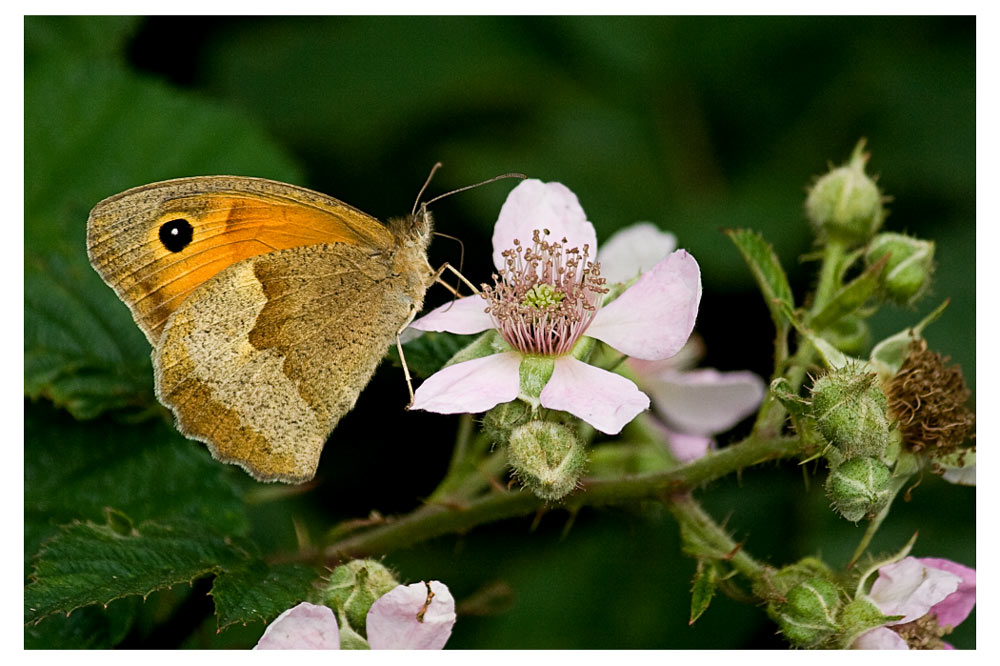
923 634
928 398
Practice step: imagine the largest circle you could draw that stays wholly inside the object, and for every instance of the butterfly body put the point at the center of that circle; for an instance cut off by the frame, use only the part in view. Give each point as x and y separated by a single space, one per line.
268 306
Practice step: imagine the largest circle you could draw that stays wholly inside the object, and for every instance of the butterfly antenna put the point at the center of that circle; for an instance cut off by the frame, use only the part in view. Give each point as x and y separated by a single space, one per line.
469 187
426 183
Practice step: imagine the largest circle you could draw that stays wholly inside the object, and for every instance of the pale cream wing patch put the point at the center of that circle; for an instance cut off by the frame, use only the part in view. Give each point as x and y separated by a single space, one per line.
262 360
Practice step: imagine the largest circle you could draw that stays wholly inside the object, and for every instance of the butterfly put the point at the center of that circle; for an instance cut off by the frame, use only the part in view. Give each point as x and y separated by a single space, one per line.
268 307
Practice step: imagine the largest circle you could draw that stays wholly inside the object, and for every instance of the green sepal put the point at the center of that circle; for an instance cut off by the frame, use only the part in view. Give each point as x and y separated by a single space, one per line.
535 372
702 589
859 616
888 355
487 344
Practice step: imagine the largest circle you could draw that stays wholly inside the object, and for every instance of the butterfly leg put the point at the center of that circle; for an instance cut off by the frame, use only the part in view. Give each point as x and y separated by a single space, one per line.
402 356
449 267
406 370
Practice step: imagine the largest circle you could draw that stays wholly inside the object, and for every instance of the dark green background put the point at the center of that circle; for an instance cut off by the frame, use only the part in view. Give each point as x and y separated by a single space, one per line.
697 124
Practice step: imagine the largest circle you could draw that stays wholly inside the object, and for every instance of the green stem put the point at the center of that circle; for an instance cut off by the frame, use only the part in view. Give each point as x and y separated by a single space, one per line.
458 516
829 275
709 535
772 412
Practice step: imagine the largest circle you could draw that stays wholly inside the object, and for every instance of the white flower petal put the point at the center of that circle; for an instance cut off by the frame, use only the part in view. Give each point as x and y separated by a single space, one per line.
603 399
911 589
304 627
655 316
536 205
466 315
963 476
882 638
471 386
634 250
700 402
404 620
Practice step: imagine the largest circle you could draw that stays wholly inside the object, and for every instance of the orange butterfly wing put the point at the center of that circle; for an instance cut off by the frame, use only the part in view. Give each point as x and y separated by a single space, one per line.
157 243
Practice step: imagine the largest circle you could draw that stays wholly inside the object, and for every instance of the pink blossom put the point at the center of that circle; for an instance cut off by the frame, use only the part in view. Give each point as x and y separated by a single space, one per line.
691 404
304 627
548 295
695 404
409 617
915 588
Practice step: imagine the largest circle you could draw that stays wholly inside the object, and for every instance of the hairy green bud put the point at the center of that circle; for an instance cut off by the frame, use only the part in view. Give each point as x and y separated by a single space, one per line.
851 411
909 267
547 458
353 587
808 617
859 487
846 204
807 568
499 421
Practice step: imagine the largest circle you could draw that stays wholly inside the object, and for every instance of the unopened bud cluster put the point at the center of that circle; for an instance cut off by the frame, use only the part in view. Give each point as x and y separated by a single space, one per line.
851 413
845 205
813 610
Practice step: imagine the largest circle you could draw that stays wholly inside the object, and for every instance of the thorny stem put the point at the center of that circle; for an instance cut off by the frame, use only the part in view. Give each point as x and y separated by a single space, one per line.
461 514
692 518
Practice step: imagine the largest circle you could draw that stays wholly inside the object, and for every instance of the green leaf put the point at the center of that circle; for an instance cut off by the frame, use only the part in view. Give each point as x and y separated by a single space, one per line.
72 471
260 592
850 297
766 269
82 349
88 628
77 36
87 563
702 589
428 353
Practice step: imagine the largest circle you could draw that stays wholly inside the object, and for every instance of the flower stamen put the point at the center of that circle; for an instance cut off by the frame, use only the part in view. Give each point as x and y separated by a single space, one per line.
545 296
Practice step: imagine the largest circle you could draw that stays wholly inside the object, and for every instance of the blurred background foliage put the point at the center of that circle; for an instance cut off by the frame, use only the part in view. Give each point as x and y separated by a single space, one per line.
696 123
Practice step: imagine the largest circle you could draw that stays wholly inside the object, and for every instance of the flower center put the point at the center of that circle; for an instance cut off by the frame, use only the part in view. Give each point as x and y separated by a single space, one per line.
545 296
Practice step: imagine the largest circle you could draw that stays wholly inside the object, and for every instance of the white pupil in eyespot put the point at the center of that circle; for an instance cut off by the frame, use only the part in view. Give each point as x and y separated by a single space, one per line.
174 231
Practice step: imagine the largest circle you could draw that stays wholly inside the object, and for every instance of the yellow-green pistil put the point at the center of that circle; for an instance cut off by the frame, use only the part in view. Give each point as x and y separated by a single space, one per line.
542 297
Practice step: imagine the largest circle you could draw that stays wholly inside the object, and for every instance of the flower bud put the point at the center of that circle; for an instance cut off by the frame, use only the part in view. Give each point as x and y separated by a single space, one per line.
859 487
807 568
908 270
499 421
547 458
851 411
845 204
353 587
809 615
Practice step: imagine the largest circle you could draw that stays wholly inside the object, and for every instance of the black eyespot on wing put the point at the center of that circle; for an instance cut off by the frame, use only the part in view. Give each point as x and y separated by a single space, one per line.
176 234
